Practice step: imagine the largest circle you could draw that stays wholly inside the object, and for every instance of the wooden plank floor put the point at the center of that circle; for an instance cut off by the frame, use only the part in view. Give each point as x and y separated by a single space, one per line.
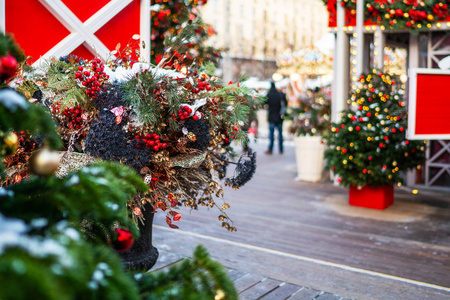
410 240
252 286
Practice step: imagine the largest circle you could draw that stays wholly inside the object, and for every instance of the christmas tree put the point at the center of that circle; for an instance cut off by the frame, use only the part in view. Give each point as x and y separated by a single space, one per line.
169 18
59 234
368 146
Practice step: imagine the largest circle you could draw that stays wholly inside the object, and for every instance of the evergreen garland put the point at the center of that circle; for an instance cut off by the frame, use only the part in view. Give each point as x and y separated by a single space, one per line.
405 14
368 146
410 14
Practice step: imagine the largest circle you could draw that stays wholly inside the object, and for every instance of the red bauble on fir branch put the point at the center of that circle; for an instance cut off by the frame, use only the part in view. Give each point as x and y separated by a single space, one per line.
8 67
124 240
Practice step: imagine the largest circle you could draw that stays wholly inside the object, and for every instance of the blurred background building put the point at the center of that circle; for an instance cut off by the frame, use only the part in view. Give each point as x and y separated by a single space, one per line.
257 32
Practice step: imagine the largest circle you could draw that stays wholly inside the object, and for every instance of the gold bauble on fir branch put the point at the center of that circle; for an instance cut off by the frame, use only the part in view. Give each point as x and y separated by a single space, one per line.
44 162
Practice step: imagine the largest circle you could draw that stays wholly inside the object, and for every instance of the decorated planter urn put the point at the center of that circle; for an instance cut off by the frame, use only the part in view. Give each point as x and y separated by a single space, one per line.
142 255
309 152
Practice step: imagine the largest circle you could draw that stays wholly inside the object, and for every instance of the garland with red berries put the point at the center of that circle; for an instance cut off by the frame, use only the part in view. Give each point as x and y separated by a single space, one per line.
410 14
404 14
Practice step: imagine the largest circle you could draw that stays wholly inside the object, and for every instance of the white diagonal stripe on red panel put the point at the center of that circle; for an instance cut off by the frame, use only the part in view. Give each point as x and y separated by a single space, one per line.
81 33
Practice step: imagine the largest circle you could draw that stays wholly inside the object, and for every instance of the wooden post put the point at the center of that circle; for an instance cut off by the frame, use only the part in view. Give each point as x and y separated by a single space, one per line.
145 29
359 38
413 62
2 16
341 71
379 43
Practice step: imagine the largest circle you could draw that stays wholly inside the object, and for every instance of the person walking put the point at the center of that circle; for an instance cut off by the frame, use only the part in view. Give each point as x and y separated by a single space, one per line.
276 103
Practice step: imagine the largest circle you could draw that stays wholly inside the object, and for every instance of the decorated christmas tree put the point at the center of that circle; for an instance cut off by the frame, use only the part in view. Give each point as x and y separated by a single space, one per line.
169 18
60 234
368 146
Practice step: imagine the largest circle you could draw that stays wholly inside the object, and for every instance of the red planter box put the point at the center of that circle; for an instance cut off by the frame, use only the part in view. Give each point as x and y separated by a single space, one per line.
378 198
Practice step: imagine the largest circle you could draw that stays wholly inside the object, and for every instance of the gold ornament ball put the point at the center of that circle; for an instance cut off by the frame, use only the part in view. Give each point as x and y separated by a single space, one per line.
44 162
11 140
430 18
12 143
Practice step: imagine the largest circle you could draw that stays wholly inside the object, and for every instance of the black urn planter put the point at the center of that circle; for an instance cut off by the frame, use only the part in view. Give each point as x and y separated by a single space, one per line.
142 255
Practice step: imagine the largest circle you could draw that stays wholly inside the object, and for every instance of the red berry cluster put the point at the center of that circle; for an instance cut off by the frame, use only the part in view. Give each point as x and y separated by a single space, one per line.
183 113
202 85
95 82
74 117
55 109
441 11
26 141
417 15
150 141
372 10
227 140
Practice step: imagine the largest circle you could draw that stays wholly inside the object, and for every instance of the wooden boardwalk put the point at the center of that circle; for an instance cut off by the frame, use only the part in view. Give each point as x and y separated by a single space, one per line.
305 235
252 286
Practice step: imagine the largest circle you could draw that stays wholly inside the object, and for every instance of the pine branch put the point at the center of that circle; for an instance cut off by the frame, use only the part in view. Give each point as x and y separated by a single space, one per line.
98 193
8 46
199 278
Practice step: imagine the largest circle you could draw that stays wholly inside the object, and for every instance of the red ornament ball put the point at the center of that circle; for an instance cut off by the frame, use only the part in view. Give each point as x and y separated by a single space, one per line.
124 240
8 67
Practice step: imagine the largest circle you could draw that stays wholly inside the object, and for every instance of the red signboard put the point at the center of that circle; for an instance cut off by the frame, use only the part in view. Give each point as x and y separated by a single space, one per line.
82 27
429 104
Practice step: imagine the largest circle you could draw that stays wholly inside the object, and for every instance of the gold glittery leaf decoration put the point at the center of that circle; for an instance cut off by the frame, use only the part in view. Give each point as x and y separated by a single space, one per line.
187 160
73 161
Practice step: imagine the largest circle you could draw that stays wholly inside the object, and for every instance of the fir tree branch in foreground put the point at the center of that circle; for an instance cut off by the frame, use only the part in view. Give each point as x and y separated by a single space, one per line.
192 279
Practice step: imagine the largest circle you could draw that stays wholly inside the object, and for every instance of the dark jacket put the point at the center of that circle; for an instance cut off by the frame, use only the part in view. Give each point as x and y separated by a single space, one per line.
275 100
